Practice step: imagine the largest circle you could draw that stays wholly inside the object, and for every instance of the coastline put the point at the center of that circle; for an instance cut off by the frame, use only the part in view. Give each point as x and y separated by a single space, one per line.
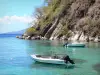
72 38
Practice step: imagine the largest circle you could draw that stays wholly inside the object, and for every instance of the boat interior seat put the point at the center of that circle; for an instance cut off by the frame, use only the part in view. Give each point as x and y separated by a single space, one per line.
46 56
57 57
43 56
38 56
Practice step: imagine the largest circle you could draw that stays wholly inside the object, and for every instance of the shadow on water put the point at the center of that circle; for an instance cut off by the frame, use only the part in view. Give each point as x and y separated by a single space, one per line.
96 67
39 65
79 61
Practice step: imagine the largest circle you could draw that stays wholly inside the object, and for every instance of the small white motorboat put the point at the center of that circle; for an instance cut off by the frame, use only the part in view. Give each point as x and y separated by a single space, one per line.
74 44
49 59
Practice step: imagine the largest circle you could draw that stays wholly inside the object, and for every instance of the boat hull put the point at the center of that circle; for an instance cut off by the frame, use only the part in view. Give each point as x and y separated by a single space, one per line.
48 60
75 45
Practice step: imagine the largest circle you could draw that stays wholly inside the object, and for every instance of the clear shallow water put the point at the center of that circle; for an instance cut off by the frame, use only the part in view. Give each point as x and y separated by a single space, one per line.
15 58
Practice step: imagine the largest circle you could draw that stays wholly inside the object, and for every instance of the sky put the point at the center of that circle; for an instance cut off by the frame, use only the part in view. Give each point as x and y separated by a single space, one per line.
17 15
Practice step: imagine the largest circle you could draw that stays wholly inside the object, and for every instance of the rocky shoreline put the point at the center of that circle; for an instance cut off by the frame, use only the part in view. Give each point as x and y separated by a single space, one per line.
75 37
31 37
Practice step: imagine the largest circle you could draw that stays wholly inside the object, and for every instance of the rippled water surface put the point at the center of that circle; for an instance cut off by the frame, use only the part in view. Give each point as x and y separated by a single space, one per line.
15 58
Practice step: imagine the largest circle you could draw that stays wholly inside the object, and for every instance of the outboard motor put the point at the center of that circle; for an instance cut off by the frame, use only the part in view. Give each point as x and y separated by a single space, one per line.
65 44
67 59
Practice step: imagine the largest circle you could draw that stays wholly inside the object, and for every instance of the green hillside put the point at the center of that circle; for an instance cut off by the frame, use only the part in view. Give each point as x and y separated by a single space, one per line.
69 19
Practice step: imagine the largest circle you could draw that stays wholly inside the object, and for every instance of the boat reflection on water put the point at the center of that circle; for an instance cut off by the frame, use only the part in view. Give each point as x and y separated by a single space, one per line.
39 65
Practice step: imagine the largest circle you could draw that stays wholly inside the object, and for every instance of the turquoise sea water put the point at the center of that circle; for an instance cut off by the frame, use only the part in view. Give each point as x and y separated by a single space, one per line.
15 58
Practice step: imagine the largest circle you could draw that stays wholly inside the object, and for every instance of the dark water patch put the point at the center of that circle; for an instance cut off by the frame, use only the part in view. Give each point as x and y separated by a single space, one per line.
48 43
96 67
79 61
44 44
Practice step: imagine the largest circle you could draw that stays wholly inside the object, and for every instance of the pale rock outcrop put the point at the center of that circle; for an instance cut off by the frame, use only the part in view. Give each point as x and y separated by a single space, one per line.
97 39
56 32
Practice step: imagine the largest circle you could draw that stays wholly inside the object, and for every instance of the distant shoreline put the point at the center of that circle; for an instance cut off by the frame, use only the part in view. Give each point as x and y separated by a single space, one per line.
9 35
